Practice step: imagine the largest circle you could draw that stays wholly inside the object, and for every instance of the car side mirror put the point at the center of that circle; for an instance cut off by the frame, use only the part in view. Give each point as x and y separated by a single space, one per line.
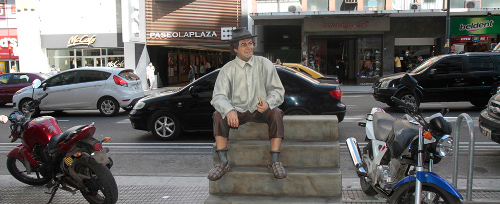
192 91
44 86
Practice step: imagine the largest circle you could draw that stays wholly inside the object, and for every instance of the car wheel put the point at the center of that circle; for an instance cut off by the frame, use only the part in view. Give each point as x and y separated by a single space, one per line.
108 106
479 103
408 97
164 126
25 104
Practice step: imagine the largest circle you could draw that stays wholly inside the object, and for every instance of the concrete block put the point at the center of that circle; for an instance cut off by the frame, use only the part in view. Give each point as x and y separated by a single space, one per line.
297 127
293 153
260 181
238 199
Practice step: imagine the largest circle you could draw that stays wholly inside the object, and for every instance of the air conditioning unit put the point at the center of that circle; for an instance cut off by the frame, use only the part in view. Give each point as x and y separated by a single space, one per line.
472 4
294 8
415 6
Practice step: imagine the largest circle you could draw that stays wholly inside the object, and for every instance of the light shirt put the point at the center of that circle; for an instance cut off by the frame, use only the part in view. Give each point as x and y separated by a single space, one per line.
150 71
397 62
240 83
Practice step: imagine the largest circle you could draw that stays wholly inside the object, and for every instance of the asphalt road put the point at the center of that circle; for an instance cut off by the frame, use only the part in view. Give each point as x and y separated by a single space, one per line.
137 152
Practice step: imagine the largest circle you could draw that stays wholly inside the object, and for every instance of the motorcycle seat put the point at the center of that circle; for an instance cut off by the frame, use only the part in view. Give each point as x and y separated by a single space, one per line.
56 139
382 125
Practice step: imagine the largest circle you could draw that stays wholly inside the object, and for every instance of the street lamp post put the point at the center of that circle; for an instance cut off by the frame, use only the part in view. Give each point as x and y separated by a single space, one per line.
447 45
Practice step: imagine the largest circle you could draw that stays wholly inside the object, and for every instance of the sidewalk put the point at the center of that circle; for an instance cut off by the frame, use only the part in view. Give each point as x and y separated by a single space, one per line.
144 189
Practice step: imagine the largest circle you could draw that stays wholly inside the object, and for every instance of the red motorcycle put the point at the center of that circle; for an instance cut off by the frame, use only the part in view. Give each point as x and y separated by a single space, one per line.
72 160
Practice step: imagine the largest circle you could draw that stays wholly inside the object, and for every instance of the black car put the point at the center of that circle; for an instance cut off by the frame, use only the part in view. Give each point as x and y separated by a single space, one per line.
489 120
472 77
189 109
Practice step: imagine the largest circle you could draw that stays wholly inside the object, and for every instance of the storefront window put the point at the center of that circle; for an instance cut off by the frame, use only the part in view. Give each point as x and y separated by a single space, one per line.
93 57
369 57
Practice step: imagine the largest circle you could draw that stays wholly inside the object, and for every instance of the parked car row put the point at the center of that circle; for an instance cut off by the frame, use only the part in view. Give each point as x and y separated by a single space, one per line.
102 88
189 109
473 77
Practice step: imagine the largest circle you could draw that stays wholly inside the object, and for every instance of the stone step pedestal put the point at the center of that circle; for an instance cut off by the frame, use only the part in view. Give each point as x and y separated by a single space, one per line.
310 154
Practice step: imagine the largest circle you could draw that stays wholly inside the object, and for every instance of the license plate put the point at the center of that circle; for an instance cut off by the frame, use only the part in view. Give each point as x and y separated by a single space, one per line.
486 132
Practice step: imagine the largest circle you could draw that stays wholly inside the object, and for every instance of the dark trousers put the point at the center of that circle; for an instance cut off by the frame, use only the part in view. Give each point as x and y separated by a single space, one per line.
272 117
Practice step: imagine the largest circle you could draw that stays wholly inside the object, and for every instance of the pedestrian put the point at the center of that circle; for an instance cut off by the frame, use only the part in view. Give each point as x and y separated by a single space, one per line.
208 67
202 70
150 74
397 64
420 59
192 73
53 70
13 69
341 75
247 89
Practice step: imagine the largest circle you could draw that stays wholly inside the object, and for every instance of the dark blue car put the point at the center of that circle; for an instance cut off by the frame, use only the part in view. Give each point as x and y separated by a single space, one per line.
189 109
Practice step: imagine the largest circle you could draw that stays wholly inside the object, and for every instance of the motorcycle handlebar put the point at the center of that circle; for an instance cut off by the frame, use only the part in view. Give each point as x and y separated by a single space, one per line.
399 102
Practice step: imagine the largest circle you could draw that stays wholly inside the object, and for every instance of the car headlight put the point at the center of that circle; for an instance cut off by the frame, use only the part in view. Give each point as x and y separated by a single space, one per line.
386 83
139 105
19 91
444 146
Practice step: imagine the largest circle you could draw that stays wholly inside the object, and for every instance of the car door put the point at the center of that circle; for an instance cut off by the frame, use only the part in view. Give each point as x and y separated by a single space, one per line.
17 81
4 83
481 76
88 86
60 92
196 103
443 81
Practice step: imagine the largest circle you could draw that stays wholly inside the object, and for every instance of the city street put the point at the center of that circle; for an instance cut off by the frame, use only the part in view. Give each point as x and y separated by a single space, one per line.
138 153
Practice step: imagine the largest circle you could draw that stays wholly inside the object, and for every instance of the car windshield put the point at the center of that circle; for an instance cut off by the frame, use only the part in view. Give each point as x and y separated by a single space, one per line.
44 76
128 74
427 63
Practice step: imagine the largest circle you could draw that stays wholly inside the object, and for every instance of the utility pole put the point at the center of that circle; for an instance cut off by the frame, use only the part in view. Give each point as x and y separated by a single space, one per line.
447 45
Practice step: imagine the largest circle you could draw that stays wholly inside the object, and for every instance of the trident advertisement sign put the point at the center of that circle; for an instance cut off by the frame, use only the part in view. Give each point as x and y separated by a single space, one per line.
471 26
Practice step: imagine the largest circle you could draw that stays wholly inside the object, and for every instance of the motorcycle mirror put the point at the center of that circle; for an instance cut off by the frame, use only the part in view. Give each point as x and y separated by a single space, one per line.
3 119
409 82
36 83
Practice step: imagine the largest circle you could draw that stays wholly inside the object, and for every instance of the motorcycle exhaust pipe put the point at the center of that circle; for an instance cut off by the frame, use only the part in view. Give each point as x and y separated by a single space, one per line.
352 145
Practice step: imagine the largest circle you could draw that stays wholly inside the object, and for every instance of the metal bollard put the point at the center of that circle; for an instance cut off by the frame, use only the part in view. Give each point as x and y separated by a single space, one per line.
456 138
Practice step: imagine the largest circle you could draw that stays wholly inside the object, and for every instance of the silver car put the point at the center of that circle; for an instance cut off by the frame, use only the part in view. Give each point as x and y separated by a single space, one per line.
103 88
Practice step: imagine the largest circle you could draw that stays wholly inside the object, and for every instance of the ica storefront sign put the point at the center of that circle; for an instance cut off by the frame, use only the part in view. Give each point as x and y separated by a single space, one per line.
475 26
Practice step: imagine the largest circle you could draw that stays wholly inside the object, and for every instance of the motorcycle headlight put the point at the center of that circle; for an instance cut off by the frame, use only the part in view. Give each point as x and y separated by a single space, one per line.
139 105
444 146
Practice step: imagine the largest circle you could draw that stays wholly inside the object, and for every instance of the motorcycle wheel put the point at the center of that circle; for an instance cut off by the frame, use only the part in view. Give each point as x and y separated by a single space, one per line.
101 187
17 170
366 187
430 194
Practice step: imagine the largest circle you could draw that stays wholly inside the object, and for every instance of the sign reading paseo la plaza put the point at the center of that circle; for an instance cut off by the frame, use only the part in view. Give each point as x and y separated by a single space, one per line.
187 34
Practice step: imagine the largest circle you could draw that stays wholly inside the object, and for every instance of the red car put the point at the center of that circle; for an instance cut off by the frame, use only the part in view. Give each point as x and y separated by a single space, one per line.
10 83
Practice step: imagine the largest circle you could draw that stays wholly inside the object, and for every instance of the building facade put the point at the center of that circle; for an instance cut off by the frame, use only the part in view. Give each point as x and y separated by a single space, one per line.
368 34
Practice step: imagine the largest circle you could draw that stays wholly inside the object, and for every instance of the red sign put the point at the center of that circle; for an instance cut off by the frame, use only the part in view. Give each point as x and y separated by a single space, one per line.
474 38
8 43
